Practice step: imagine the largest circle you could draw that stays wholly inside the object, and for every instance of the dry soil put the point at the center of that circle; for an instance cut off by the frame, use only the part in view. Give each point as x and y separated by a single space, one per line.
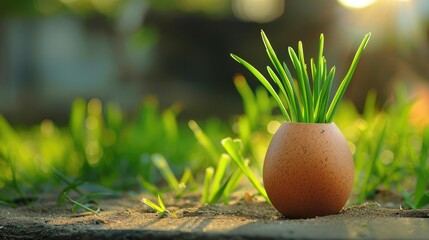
246 217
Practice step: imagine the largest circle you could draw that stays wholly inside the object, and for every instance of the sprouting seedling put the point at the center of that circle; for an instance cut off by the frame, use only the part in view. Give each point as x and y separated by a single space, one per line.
78 204
161 163
159 208
217 182
205 141
179 186
233 148
304 103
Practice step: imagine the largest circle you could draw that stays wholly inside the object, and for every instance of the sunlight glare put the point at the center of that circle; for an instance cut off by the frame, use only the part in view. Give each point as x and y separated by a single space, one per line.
356 3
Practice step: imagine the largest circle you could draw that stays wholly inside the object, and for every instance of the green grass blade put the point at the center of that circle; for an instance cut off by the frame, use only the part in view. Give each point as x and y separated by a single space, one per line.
370 105
169 121
15 183
187 177
424 200
345 82
264 82
277 81
160 208
185 181
369 171
219 174
77 119
232 184
71 185
289 105
321 61
316 80
325 74
245 130
161 163
204 141
318 67
301 83
114 116
325 95
297 100
264 103
307 87
76 203
208 177
153 205
249 99
422 172
286 79
325 69
161 204
218 194
233 147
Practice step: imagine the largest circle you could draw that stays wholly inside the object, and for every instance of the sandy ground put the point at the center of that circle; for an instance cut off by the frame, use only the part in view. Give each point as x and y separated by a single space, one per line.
128 218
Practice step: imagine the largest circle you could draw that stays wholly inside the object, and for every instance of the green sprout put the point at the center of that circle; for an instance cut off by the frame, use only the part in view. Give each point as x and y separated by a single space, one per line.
304 103
204 141
219 182
77 205
234 148
159 208
162 165
89 210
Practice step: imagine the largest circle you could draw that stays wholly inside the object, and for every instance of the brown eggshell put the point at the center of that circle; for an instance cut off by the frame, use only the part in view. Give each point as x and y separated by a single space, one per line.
308 170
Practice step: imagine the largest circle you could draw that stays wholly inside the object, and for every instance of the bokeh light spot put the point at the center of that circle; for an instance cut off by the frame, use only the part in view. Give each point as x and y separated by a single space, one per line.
261 11
47 128
273 126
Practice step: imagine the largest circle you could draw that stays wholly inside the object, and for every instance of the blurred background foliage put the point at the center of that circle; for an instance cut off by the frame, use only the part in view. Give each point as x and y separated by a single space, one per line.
92 89
178 50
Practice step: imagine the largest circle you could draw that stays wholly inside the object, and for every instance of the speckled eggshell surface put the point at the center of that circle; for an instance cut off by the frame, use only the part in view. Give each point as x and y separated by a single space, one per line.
308 170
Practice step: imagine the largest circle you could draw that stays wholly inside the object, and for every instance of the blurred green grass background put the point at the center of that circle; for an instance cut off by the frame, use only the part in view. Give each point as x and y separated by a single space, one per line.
104 147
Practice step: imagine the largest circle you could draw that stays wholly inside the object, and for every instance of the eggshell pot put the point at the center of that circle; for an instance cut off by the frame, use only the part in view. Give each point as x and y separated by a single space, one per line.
308 170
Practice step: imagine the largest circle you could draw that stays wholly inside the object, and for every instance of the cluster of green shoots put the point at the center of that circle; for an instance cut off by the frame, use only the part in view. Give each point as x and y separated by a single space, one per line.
303 103
159 208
